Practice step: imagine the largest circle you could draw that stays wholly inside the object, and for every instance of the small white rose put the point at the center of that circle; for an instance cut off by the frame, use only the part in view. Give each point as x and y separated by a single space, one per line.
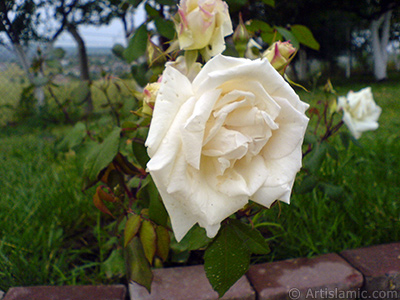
233 134
203 26
360 112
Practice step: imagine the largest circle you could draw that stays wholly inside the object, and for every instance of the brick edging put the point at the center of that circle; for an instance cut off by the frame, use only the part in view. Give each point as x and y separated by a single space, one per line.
370 272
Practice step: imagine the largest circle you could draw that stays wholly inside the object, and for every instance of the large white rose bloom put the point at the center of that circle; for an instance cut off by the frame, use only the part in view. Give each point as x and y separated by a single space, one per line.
233 134
360 112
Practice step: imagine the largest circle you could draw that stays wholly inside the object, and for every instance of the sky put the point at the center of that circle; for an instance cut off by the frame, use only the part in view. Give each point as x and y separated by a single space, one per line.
103 36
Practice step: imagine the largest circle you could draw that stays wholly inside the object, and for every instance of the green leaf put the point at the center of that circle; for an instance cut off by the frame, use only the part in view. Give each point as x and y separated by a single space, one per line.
137 265
148 238
100 157
310 138
139 73
167 2
73 138
226 260
151 11
316 158
116 181
166 28
270 37
306 185
137 44
80 93
114 265
258 25
157 211
305 36
269 2
163 242
131 228
332 191
135 3
288 36
140 154
235 5
118 50
345 137
332 152
195 239
251 237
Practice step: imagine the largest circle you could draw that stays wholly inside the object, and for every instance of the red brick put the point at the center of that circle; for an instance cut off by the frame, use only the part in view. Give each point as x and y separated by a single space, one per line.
188 283
324 277
100 292
380 266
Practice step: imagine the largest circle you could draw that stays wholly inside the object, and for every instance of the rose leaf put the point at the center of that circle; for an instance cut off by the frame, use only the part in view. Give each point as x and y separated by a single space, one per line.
251 237
226 260
138 267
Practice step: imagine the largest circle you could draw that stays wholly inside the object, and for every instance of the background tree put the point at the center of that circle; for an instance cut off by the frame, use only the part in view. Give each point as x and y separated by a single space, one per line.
19 22
72 14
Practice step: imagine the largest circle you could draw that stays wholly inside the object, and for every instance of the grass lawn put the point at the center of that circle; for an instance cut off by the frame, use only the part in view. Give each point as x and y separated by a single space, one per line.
52 234
367 209
50 230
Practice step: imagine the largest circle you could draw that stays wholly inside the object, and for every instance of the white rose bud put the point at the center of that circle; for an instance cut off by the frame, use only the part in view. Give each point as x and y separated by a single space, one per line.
232 135
360 112
203 26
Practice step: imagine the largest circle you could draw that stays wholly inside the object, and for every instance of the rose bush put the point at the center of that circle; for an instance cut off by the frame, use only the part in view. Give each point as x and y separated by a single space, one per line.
203 25
360 112
233 134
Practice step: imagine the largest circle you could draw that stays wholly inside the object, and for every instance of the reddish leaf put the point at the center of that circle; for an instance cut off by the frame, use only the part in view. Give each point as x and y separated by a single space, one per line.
100 204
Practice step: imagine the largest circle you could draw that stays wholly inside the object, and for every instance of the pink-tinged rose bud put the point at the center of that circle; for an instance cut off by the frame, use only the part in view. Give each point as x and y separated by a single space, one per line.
149 96
203 25
280 55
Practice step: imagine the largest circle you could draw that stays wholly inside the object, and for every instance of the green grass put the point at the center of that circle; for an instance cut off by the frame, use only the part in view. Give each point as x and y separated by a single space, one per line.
367 211
52 234
50 230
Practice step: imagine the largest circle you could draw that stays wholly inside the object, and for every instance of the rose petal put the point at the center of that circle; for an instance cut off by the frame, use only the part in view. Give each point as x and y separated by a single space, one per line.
174 91
292 126
193 130
191 195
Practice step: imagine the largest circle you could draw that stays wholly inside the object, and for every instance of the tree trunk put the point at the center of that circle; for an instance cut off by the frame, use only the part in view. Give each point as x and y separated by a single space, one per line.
83 63
379 44
39 92
302 66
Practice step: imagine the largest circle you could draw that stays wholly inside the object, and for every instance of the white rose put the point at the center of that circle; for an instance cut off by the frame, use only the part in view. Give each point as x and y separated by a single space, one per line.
360 112
203 26
233 134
